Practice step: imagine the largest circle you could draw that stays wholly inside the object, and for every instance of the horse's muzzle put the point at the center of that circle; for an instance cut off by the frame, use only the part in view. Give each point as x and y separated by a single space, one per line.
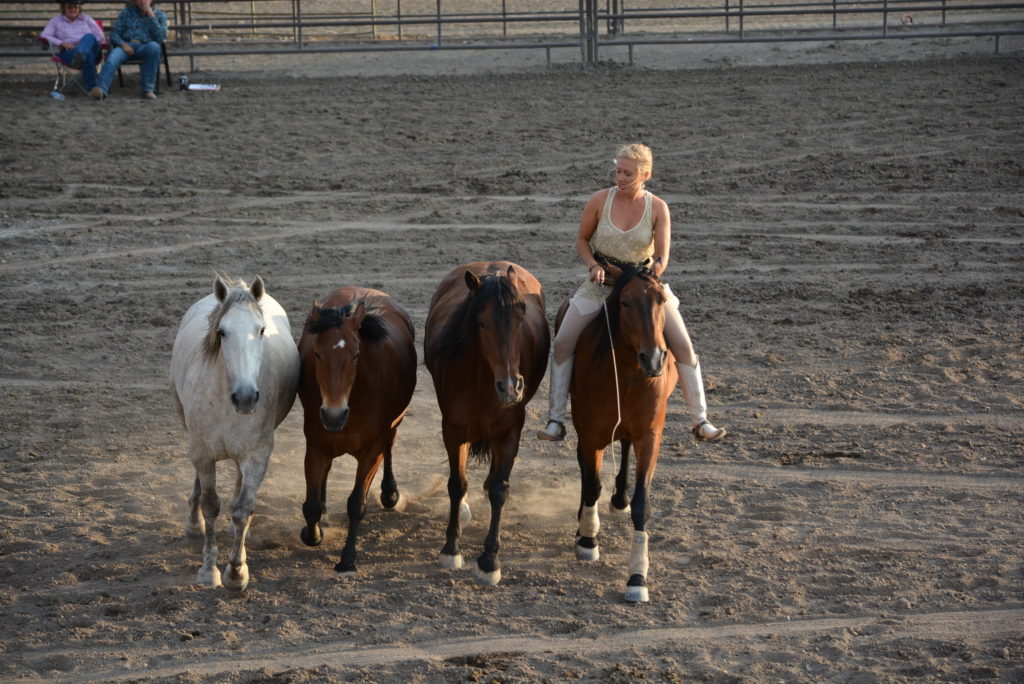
245 399
510 390
334 420
654 365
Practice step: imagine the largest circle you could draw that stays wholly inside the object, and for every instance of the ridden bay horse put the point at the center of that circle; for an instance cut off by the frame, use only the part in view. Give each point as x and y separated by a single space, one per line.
234 374
622 379
486 347
358 375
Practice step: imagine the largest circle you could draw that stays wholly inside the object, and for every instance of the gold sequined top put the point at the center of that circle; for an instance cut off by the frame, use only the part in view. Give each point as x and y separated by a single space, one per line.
632 246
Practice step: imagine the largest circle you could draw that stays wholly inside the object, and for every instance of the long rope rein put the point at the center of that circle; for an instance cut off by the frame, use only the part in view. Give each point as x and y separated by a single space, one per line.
615 375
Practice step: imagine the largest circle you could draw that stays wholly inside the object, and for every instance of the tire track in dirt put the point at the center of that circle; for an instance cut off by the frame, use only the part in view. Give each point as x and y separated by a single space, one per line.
864 631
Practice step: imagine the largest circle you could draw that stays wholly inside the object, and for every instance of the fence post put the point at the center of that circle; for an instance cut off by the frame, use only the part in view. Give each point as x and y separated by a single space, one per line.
438 23
885 18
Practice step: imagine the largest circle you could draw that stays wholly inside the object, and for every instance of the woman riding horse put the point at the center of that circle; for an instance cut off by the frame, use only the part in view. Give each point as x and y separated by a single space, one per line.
646 236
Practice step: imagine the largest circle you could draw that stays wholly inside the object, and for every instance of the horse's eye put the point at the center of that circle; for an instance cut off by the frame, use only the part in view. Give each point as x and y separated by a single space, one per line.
625 305
263 331
221 333
316 353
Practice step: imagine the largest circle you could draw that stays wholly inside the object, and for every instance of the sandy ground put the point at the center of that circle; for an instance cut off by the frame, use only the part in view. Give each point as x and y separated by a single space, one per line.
849 245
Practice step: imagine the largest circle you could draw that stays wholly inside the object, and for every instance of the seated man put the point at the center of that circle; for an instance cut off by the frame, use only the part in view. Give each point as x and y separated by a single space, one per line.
77 37
139 31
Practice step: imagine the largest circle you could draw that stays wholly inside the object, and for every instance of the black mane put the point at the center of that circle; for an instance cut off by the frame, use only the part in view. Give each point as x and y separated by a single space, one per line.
372 328
460 329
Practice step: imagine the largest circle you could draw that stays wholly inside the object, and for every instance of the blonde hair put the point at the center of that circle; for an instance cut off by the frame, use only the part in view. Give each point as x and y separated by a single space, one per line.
639 153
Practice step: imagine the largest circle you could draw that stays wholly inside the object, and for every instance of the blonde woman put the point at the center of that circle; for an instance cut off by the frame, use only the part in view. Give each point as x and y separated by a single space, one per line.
625 223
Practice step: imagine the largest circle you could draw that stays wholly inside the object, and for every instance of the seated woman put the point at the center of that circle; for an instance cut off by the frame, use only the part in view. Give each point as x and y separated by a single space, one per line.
78 38
628 224
139 32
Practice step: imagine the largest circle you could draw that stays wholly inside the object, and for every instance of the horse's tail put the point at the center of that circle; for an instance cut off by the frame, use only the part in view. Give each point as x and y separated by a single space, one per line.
480 451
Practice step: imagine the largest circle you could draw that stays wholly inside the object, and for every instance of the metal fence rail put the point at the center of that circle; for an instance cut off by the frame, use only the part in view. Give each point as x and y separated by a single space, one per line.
201 28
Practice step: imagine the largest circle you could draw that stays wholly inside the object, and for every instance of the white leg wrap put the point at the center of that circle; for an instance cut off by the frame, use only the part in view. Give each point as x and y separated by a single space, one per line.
638 555
590 523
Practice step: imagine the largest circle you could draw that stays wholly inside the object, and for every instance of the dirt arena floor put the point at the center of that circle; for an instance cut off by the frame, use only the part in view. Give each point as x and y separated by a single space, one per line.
849 251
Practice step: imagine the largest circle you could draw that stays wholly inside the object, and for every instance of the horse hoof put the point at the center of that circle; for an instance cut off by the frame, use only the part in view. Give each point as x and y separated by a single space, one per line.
209 578
311 539
348 574
488 579
584 553
236 579
450 562
393 501
637 595
612 508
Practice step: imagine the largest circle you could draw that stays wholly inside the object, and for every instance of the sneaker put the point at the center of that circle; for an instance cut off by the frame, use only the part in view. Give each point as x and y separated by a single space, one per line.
97 93
552 432
76 61
149 95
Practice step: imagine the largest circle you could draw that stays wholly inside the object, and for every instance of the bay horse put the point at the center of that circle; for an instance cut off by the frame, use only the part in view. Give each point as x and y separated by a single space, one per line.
234 373
358 375
622 379
486 347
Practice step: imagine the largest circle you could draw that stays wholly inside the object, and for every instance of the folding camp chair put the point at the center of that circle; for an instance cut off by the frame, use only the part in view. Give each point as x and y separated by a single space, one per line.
67 75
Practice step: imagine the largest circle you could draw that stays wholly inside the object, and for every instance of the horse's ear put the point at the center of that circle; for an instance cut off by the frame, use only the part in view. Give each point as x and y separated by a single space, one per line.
511 273
359 313
220 289
614 271
258 288
314 314
472 282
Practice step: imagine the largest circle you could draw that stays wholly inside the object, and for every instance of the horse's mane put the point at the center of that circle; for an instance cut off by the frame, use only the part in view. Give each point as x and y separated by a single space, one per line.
238 293
629 271
459 331
372 328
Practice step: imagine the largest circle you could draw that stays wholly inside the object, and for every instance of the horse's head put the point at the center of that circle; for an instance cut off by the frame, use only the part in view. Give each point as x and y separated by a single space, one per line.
498 310
235 334
636 310
336 347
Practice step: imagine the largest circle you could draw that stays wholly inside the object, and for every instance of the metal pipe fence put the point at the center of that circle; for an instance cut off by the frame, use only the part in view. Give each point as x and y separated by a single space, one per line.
218 27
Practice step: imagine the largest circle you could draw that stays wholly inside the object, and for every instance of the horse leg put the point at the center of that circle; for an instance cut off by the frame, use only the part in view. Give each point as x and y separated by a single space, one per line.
209 503
503 456
619 501
389 494
590 491
317 465
252 471
451 555
365 470
646 458
194 525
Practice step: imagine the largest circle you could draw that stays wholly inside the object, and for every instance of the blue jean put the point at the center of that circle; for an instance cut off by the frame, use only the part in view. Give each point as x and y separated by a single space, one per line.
90 49
149 53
